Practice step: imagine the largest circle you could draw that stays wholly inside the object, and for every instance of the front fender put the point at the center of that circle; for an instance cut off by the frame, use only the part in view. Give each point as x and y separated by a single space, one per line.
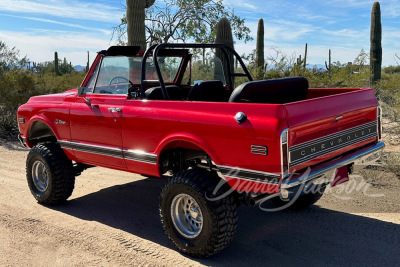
42 119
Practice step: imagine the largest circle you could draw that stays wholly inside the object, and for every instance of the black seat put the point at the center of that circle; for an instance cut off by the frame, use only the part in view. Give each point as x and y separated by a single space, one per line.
155 93
279 91
211 91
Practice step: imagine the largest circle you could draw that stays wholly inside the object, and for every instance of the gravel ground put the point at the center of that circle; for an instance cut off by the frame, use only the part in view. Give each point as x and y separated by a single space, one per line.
112 219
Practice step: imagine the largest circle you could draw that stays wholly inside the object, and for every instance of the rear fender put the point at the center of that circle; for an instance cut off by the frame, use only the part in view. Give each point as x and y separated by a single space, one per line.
186 140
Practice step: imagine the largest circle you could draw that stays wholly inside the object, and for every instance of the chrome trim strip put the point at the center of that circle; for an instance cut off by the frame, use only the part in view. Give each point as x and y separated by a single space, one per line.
254 180
329 150
140 156
250 175
134 155
360 157
248 170
100 150
65 144
317 140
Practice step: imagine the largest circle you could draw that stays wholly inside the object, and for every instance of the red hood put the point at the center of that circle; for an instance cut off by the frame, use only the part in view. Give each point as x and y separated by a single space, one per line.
53 98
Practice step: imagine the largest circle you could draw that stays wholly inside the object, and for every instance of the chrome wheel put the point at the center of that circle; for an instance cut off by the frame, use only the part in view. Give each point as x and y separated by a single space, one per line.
40 176
186 216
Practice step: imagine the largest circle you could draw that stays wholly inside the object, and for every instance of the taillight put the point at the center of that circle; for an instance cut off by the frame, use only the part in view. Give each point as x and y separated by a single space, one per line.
284 153
379 121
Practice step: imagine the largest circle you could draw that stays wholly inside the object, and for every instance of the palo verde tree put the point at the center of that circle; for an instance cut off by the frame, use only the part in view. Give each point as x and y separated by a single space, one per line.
9 58
185 20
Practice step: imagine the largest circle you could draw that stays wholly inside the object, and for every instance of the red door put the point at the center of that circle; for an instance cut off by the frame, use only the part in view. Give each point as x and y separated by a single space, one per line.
96 129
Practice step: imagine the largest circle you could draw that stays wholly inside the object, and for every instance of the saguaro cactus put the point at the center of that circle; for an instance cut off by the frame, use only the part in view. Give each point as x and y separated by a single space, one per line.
56 63
260 45
224 36
329 67
135 18
376 43
87 63
305 56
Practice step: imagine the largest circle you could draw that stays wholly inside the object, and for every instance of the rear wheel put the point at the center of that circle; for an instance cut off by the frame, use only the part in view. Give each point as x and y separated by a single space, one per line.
49 173
197 225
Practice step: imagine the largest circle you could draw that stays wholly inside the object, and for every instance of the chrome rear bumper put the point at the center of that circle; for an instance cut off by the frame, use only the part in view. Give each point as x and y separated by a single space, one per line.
360 158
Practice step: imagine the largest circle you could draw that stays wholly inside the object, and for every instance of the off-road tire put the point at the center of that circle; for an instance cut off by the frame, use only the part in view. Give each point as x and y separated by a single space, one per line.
59 173
219 216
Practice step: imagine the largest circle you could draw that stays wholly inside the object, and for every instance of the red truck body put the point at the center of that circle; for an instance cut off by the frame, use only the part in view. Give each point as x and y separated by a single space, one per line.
265 153
154 126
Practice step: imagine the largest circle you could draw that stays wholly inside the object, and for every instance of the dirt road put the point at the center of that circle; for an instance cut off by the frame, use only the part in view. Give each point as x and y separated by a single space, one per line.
112 220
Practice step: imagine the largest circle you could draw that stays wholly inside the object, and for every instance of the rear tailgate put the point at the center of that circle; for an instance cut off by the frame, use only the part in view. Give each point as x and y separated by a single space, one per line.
326 127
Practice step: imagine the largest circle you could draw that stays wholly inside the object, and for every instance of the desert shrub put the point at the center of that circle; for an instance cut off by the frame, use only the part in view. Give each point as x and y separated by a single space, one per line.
391 163
19 85
16 88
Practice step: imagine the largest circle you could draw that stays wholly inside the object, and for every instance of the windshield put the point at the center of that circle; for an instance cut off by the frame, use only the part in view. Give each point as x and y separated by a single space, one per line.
115 73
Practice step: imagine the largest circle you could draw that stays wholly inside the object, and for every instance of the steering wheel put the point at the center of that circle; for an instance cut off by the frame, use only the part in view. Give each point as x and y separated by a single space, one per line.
117 90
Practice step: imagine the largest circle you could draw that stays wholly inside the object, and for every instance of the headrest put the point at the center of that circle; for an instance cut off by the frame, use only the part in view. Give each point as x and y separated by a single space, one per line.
278 91
155 93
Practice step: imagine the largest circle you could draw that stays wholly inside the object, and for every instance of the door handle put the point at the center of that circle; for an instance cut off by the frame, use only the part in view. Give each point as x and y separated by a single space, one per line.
115 109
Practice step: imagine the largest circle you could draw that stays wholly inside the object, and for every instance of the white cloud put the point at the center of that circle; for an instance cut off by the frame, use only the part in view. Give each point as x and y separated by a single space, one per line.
66 9
318 54
389 8
282 30
62 23
239 4
349 3
40 45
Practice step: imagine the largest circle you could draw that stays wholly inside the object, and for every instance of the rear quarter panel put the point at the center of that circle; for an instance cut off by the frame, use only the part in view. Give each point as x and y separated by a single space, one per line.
152 126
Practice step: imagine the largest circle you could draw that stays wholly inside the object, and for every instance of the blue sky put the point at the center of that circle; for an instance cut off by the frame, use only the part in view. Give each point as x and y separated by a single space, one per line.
38 28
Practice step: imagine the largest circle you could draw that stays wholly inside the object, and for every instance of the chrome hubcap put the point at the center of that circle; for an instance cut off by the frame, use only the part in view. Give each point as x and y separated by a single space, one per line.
40 176
186 216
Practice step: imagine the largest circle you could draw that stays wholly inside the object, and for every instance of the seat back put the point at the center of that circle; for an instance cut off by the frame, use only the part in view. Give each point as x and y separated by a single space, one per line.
155 93
211 91
279 91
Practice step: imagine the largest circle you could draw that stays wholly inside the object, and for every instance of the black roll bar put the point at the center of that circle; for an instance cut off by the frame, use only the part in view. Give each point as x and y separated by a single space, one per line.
157 47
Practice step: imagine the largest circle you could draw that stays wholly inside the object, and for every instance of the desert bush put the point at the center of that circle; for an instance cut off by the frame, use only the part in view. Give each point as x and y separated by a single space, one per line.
391 163
18 85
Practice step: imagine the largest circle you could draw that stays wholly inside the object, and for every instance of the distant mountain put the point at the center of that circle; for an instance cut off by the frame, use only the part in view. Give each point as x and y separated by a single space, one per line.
79 68
318 66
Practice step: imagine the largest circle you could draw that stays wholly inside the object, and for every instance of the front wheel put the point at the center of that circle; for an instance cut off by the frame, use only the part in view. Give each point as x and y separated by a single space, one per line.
197 225
49 173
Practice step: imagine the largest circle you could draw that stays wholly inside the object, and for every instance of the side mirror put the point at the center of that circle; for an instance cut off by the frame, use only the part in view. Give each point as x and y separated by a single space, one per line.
81 90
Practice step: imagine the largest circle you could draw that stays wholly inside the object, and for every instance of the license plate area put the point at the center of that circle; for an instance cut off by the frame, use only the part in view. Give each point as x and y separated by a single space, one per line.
341 175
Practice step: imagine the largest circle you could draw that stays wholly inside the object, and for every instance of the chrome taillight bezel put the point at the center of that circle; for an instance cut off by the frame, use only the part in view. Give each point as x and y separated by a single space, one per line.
379 122
285 159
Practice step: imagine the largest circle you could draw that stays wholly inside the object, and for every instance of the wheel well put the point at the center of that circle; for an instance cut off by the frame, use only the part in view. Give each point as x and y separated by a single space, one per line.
40 132
177 159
